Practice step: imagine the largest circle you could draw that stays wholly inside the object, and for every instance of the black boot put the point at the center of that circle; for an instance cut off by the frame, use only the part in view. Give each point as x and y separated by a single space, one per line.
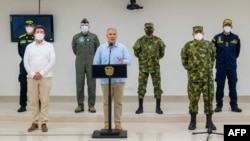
192 124
158 106
210 122
140 109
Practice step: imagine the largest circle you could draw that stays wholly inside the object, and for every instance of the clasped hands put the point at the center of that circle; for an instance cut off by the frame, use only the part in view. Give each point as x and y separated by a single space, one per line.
37 76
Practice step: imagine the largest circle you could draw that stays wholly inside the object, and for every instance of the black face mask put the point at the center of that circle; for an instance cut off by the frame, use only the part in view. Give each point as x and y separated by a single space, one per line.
149 31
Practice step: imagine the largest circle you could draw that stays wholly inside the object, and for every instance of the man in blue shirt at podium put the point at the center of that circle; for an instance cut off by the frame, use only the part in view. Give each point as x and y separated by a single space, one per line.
112 52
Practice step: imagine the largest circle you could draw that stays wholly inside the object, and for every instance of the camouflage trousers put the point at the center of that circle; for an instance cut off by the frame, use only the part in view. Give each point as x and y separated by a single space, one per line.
195 89
143 80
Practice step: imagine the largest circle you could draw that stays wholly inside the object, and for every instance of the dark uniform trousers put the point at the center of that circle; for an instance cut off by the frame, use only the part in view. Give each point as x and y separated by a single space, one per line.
23 85
221 75
23 42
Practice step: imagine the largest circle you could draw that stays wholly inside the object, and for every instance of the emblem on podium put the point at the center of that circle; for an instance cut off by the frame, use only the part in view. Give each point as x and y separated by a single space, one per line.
109 70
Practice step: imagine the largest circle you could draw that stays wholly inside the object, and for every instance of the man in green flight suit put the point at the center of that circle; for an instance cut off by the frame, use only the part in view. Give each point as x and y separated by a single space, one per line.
84 45
198 58
149 49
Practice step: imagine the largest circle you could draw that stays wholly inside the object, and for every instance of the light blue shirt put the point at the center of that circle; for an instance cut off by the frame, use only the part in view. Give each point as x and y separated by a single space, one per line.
117 51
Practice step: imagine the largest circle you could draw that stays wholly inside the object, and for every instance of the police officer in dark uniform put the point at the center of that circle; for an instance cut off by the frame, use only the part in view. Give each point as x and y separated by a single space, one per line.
84 45
23 41
227 51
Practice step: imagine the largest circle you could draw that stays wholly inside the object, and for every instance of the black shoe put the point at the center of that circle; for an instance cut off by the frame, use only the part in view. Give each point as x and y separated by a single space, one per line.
139 110
218 109
213 127
236 109
158 110
192 126
21 109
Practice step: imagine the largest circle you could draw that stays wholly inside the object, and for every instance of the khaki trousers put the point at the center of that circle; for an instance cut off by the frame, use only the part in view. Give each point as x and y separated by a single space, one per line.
39 90
117 95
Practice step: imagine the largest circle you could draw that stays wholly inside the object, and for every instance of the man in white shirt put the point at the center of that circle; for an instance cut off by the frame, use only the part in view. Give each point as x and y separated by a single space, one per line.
39 58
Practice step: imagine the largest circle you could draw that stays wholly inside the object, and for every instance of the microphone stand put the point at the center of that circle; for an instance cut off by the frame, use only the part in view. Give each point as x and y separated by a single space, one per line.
109 97
209 129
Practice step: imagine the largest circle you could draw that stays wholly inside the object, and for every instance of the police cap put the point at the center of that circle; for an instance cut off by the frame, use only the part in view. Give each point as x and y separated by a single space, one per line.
84 21
29 22
227 22
197 28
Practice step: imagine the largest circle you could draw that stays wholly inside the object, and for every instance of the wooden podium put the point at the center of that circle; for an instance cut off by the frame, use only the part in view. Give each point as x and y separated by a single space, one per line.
109 71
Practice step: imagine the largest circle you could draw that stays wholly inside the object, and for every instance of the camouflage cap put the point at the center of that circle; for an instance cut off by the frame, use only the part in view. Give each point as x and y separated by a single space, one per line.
149 24
227 22
197 28
84 21
29 22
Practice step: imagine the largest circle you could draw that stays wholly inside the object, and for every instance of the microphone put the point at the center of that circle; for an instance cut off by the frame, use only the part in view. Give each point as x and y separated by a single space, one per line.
110 45
206 45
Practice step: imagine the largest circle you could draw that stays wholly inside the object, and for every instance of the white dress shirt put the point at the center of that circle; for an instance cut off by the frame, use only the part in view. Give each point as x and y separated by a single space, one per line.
39 58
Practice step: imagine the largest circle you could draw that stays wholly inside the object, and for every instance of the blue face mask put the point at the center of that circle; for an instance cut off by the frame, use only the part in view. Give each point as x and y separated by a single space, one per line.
84 29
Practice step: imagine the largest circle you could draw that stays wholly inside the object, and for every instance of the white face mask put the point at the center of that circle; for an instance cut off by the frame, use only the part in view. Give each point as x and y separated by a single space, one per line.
84 29
227 29
198 36
39 36
29 29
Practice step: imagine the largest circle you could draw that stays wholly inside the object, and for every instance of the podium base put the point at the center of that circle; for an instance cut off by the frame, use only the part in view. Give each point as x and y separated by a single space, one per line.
105 133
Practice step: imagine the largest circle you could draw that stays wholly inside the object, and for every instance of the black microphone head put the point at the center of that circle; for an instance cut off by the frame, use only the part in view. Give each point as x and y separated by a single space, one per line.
111 44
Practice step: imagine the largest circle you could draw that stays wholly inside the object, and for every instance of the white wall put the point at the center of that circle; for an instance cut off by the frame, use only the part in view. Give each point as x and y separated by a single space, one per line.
173 20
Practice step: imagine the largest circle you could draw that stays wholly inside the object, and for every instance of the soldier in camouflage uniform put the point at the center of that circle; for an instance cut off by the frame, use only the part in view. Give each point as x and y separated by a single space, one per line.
198 58
149 49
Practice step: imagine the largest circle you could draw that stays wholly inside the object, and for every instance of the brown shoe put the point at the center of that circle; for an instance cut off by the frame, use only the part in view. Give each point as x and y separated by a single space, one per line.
118 127
106 127
44 128
33 127
92 109
79 109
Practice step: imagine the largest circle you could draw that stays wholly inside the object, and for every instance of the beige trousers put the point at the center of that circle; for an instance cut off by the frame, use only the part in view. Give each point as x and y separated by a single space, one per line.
117 95
39 90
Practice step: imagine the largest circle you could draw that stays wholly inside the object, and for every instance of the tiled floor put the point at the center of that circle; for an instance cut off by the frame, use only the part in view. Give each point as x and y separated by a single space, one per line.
65 125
